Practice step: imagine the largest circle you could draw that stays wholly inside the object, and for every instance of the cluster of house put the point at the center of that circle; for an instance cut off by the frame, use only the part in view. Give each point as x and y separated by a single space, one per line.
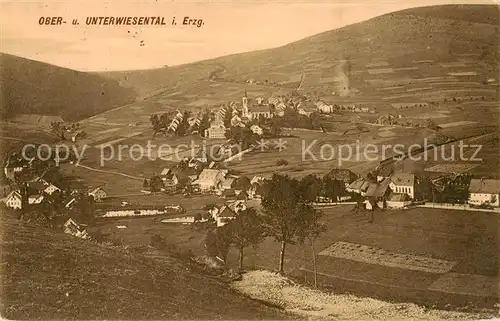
224 213
325 108
394 191
398 190
193 122
252 109
38 190
249 110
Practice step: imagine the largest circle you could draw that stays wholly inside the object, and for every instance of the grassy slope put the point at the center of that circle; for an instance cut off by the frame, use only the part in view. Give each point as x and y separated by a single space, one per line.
401 36
30 86
48 275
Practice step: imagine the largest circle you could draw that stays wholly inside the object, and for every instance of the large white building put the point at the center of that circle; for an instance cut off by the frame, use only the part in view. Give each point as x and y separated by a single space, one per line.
484 191
217 130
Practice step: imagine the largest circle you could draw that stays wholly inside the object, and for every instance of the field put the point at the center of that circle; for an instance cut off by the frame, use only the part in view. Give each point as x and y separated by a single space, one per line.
469 240
47 275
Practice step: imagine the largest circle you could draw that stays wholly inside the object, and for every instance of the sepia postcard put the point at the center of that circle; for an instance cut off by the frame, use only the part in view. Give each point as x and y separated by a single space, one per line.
250 160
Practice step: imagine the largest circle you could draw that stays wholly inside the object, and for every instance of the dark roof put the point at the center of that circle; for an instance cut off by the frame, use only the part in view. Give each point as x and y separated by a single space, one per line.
488 186
342 174
225 211
385 170
378 189
242 196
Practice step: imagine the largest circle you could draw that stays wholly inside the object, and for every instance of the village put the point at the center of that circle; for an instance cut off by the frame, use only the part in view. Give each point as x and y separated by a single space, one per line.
243 125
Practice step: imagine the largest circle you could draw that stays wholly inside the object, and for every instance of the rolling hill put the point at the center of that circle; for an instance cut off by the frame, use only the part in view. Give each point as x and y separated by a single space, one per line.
32 87
412 43
422 54
48 275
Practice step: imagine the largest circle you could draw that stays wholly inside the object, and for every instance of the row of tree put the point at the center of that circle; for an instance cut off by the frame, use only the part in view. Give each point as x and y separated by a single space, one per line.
287 216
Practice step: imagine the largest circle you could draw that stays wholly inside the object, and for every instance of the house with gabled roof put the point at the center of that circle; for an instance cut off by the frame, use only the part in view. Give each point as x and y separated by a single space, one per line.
98 194
71 227
35 199
342 174
359 186
398 200
224 216
14 200
51 189
403 183
210 179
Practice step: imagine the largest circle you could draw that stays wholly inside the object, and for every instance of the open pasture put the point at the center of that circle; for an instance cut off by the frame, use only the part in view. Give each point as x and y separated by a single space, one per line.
429 235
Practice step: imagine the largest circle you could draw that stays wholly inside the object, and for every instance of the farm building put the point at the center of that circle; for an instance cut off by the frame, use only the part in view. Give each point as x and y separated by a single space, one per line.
324 108
484 192
344 175
73 228
210 179
98 194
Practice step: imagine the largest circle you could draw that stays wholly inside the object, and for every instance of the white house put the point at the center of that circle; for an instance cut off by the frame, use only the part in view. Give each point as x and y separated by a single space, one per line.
35 199
484 191
98 194
257 130
237 206
324 108
51 189
403 183
210 179
14 200
73 228
224 215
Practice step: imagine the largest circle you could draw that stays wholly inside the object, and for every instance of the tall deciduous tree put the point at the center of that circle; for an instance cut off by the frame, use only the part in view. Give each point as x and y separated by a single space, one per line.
312 229
246 230
286 212
311 187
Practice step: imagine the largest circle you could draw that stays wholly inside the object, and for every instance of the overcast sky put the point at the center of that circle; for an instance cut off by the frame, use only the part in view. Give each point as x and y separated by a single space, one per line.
230 27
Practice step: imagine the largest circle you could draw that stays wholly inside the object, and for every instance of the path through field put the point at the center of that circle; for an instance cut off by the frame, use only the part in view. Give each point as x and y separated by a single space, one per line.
109 172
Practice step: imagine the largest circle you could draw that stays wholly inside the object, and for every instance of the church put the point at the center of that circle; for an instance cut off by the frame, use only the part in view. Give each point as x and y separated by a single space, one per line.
256 111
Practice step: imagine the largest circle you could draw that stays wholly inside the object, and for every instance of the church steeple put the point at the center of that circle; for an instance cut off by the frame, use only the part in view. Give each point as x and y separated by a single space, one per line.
244 102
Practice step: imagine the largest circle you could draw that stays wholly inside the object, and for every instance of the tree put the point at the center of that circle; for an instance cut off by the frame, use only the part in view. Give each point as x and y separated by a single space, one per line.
156 184
57 128
286 212
275 128
204 123
312 229
218 241
311 187
333 188
227 118
246 230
